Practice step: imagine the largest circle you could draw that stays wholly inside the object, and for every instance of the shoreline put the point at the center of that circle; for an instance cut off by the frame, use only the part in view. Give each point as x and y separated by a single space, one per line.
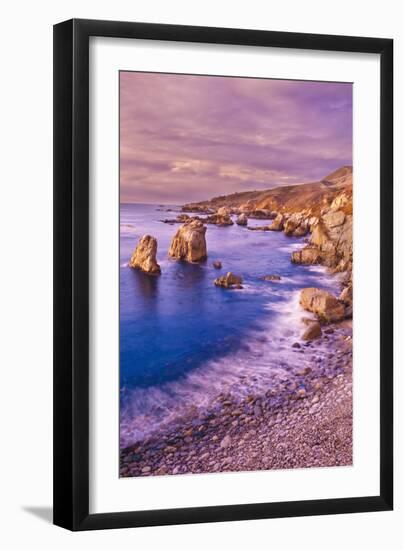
302 414
304 422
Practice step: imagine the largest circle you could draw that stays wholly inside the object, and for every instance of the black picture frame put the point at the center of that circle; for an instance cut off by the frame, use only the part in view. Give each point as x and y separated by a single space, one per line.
71 274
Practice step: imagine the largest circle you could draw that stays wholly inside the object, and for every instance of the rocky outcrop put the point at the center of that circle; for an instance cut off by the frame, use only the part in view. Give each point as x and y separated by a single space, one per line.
262 214
221 217
246 208
219 220
278 223
229 281
346 295
313 331
296 224
331 240
242 220
260 228
285 198
145 256
324 305
224 211
189 242
308 255
271 278
197 208
182 218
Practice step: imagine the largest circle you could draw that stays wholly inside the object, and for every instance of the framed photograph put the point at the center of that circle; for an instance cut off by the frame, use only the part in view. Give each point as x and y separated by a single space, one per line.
219 197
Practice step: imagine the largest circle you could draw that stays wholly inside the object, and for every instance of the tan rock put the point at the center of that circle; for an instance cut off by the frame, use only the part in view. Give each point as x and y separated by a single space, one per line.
145 256
224 211
334 218
242 220
308 255
296 225
340 201
313 331
221 217
319 236
323 304
229 281
189 242
271 278
346 295
277 224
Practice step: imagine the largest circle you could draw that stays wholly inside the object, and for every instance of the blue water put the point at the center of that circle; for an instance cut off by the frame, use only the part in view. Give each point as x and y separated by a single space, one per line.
183 340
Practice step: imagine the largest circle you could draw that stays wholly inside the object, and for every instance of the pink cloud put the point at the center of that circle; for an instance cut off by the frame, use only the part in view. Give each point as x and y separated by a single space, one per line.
186 137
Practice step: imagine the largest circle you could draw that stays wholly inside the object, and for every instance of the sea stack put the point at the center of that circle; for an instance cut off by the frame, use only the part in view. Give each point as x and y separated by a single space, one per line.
221 217
145 256
242 219
189 242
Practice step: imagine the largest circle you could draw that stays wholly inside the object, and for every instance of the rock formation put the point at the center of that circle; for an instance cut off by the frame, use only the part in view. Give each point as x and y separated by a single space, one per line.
313 331
145 256
296 224
271 278
332 237
262 214
221 217
242 219
308 255
277 224
286 198
217 264
189 242
324 305
229 281
224 211
260 228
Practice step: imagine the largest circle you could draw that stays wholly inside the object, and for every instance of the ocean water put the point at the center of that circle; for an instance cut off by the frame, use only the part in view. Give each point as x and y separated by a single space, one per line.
184 341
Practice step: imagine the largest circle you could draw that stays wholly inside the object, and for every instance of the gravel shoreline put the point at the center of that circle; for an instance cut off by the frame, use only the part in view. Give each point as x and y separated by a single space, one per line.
305 421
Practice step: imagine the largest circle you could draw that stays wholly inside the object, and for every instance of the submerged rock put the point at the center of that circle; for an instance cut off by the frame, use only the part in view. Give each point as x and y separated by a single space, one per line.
189 242
242 220
145 256
271 278
217 264
260 228
229 281
323 304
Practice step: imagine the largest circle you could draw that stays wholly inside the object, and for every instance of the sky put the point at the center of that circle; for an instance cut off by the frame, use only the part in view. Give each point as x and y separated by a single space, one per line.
185 138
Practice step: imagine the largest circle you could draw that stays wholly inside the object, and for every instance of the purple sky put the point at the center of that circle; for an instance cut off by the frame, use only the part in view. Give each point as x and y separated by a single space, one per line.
185 138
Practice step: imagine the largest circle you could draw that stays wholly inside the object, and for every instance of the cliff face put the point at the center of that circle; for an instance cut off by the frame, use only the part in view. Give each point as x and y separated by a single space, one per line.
285 199
321 211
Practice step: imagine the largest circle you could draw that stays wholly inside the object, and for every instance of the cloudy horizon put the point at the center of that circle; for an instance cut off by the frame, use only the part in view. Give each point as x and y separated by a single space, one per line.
186 138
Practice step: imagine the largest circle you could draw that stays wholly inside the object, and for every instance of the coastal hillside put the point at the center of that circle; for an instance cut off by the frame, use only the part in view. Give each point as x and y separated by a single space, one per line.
290 198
